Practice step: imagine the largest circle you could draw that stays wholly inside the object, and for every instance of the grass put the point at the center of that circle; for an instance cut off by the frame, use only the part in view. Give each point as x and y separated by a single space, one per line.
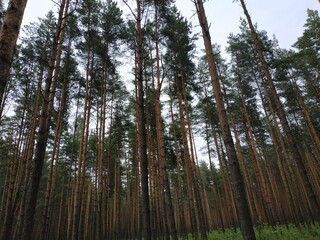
308 232
265 232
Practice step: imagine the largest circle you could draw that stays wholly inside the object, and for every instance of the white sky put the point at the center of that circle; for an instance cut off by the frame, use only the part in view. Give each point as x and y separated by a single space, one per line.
284 18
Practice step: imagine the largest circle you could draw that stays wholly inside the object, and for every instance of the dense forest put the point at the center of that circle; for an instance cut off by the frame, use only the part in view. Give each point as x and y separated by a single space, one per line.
112 127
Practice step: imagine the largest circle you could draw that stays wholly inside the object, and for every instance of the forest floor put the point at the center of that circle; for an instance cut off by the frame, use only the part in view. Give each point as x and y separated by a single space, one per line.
265 232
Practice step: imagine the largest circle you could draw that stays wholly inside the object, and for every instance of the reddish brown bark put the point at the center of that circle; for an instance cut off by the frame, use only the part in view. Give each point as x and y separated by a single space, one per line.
245 221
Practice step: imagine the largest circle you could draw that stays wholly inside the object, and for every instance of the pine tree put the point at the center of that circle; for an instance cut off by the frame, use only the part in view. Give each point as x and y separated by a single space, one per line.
141 122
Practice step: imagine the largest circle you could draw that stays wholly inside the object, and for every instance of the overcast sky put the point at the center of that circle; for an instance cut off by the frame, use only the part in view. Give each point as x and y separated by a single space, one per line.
284 18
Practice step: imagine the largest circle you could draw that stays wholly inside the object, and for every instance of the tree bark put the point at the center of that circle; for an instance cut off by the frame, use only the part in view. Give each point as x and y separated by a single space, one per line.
141 120
8 37
245 221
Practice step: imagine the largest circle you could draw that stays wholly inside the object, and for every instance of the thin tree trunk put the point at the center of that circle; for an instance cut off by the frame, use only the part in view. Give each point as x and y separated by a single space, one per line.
72 176
80 178
250 193
193 165
60 228
141 120
180 194
246 225
215 186
88 209
54 161
44 125
14 176
160 141
187 163
25 167
101 148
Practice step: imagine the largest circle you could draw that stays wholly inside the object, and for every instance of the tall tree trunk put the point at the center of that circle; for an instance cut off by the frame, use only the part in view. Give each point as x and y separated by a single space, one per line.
44 124
25 167
81 173
60 228
141 120
180 194
246 225
187 162
54 158
101 145
11 195
247 182
159 134
215 186
193 165
8 37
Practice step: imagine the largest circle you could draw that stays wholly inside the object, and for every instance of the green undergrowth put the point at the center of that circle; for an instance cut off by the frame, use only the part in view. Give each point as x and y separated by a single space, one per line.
266 232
